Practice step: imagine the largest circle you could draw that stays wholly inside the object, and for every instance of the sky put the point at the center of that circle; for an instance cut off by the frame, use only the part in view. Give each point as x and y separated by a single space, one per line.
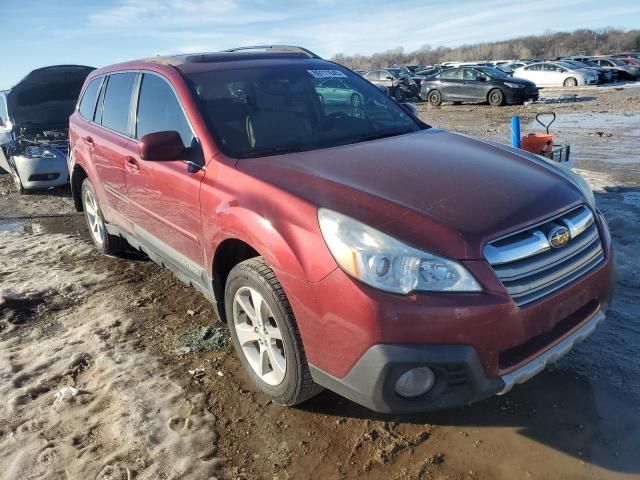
102 32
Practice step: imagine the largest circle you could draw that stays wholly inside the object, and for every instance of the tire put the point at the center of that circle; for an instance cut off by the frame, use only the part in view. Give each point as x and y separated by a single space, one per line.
434 98
398 94
570 82
251 282
496 98
356 100
105 243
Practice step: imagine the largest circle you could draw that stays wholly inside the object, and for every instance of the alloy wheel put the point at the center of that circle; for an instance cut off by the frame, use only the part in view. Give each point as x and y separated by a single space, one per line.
259 336
94 217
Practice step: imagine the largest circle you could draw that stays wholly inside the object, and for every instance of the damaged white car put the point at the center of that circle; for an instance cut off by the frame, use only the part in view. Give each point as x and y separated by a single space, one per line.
34 125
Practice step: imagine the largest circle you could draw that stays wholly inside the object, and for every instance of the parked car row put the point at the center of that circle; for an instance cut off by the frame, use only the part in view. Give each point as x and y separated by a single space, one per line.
500 82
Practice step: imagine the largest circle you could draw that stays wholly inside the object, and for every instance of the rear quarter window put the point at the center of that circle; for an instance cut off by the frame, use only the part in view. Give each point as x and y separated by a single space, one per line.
88 101
117 102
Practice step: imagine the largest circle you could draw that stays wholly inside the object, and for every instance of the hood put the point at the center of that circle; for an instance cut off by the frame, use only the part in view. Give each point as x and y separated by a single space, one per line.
437 190
46 97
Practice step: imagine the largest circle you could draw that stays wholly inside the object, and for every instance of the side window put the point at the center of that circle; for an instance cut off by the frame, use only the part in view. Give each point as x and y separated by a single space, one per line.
469 74
117 102
159 110
88 101
373 76
450 74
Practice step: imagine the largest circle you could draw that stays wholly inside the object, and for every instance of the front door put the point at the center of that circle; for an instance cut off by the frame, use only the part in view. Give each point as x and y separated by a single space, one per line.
164 196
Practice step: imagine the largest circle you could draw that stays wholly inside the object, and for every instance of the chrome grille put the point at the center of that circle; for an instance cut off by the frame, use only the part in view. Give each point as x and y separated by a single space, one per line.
530 268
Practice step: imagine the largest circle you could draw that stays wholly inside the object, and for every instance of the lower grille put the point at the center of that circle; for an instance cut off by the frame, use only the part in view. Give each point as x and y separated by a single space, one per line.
530 268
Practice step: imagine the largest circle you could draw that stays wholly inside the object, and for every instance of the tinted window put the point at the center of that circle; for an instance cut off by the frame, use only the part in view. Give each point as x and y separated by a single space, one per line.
117 101
470 74
277 109
88 102
450 75
159 110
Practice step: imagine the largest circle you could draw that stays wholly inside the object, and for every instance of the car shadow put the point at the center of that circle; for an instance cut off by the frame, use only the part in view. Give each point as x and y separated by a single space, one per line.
557 409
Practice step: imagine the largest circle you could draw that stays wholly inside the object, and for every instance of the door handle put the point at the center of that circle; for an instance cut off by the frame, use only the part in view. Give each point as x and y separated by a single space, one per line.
131 165
88 141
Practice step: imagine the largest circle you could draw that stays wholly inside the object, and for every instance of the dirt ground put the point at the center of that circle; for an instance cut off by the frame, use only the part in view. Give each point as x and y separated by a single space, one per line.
110 368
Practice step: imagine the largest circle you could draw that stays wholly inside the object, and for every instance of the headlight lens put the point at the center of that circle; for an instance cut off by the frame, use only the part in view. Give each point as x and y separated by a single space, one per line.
514 85
38 152
383 262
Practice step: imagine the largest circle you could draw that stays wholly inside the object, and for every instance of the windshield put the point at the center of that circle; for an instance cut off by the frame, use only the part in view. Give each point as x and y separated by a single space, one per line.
615 61
567 65
493 72
254 112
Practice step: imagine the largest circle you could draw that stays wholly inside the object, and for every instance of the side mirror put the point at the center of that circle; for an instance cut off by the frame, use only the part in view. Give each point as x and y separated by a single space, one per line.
161 146
389 78
411 107
1 122
481 78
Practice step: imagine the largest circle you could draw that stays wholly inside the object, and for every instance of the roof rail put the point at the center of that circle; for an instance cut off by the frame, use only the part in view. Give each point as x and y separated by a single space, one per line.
275 48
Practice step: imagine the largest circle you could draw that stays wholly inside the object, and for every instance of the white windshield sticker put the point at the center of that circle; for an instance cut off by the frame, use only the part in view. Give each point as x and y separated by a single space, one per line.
327 74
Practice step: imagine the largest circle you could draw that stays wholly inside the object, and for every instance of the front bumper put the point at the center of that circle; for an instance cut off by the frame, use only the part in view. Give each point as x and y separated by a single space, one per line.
41 172
460 377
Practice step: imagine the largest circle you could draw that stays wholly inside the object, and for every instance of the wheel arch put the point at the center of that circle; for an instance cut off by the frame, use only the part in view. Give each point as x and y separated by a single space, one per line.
78 175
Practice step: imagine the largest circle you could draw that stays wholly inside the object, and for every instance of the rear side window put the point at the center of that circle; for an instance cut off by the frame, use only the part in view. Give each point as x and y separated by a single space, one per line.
117 102
88 102
450 75
160 111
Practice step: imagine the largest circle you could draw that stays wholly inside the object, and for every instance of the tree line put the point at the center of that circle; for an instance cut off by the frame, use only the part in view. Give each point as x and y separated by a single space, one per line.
548 46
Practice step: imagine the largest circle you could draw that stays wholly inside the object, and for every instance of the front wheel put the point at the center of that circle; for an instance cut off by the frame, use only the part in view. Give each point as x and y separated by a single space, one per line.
434 98
496 97
571 82
265 335
398 94
107 244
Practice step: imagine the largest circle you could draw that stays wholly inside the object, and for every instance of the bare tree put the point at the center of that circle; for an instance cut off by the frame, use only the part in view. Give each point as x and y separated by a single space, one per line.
548 45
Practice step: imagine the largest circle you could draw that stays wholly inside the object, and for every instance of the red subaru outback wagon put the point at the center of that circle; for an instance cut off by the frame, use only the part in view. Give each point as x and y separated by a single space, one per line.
346 244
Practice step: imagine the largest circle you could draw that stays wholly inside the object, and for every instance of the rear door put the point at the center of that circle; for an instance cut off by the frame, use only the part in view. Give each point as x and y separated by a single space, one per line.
450 84
473 88
107 139
164 196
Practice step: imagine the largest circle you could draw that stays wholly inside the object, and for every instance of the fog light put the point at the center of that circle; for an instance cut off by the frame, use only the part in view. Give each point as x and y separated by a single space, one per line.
415 382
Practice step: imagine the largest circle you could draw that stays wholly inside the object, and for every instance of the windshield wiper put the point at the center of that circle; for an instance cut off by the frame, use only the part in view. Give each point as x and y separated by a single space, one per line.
280 149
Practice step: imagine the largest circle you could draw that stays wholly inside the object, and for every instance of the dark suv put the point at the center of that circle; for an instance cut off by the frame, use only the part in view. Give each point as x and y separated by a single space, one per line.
346 244
477 84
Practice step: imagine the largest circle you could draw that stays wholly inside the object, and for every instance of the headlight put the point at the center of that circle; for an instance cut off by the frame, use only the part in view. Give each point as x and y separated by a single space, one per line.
383 262
38 152
514 85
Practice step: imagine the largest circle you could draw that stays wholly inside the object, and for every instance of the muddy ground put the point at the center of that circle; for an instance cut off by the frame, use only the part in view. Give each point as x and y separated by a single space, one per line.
110 368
